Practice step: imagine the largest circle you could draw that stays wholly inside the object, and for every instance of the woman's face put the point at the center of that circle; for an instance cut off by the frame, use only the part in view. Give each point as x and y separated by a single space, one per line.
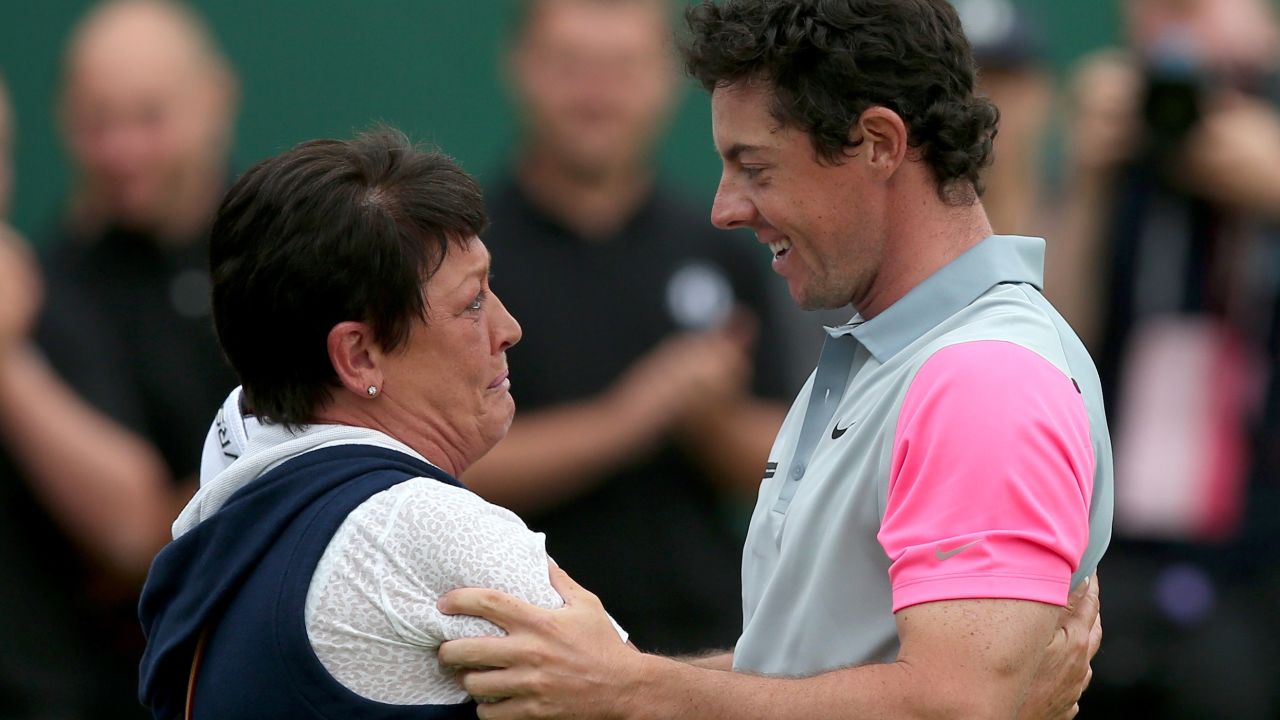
450 377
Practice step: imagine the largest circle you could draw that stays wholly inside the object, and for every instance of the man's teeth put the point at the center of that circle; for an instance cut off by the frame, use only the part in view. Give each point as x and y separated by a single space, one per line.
780 246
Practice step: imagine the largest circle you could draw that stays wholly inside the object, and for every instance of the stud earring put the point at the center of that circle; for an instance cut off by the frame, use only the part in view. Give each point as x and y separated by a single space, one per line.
373 391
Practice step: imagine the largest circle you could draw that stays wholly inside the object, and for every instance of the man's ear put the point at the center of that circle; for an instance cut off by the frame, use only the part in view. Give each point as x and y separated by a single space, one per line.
356 357
884 138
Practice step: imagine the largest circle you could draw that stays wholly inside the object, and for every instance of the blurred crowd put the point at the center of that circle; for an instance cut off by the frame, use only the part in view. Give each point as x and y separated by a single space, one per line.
659 355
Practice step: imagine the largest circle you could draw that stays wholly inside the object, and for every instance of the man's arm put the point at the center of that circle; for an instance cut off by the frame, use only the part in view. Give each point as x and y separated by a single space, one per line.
553 454
710 660
959 659
108 488
104 485
1233 156
964 658
729 433
732 440
1103 130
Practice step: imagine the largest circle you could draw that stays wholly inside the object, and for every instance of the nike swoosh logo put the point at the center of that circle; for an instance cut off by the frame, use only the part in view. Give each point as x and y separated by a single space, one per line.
838 431
945 554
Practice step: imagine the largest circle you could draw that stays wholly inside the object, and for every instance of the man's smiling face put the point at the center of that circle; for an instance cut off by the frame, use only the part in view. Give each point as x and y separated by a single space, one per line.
824 222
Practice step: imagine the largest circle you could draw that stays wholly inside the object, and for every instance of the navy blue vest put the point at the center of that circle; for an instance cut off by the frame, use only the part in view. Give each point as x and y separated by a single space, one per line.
244 573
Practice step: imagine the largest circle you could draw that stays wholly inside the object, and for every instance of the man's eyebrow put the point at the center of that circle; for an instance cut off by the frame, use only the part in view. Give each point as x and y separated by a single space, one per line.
737 149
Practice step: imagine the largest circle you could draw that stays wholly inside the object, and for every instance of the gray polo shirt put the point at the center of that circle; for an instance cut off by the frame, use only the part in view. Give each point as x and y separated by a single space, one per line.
952 447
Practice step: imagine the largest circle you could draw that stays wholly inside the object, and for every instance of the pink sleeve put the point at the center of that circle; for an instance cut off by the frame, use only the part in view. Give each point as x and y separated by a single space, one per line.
990 481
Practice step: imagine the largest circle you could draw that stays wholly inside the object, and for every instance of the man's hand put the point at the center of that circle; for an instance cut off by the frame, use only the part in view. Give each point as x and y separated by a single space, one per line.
1064 671
678 377
1233 156
721 379
564 663
1104 124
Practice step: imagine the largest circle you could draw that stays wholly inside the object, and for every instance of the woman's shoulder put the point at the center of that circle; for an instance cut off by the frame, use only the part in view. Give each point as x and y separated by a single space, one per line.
371 612
450 534
426 501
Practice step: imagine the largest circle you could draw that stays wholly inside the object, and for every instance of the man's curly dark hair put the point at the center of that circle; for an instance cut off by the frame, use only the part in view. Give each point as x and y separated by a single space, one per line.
827 61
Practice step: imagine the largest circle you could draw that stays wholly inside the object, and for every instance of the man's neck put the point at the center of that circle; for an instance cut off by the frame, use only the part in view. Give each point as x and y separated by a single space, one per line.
924 236
593 205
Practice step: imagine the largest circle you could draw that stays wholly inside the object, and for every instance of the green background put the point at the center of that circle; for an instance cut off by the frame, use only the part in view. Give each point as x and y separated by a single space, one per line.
313 68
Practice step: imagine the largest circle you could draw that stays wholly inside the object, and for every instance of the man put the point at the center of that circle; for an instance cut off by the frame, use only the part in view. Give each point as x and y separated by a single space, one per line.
942 481
637 416
78 496
146 110
109 367
1009 49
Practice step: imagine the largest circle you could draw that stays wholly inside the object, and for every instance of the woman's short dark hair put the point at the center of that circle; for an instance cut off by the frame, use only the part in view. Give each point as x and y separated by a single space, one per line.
827 61
331 230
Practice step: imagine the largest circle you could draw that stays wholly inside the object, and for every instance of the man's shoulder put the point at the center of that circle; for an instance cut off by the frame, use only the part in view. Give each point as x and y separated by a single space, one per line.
78 333
63 254
510 211
1009 313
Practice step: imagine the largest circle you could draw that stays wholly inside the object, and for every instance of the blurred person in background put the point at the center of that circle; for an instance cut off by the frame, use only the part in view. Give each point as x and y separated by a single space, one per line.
147 109
70 482
635 381
109 366
45 661
1173 207
6 150
1008 48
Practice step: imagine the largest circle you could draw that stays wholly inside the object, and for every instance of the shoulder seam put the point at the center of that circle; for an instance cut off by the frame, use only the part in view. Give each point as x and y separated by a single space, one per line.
1057 332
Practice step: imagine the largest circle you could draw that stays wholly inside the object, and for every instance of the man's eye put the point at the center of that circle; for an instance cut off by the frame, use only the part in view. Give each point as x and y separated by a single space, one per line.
752 171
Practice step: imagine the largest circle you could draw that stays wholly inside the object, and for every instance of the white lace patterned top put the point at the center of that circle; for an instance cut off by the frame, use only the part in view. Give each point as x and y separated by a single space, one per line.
371 607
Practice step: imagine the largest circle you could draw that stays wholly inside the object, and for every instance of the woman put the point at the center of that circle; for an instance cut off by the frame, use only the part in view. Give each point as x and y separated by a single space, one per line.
351 295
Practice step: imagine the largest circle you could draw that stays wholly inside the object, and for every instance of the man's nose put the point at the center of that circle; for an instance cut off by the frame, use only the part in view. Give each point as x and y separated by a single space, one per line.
731 209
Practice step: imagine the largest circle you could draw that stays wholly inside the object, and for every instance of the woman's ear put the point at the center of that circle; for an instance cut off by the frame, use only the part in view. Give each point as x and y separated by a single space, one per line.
356 358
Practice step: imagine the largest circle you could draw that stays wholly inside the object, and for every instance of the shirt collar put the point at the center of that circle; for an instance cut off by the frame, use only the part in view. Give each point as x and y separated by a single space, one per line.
997 259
